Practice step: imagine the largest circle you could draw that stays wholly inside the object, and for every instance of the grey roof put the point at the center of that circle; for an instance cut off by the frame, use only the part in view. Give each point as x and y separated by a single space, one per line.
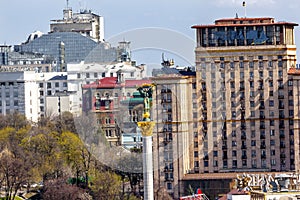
77 47
59 78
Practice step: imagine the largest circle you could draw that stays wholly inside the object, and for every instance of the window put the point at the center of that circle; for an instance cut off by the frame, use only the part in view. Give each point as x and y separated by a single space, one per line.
196 154
41 85
234 163
231 74
233 114
87 75
215 153
271 103
251 64
241 75
234 143
234 153
78 75
103 74
272 143
253 143
270 83
290 82
169 186
57 84
48 85
232 84
270 63
252 114
252 104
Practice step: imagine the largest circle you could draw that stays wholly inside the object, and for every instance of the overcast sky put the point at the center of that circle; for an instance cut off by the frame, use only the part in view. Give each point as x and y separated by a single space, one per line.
20 18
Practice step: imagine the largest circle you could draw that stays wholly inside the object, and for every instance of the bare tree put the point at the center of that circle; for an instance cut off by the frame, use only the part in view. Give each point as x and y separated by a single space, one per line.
14 172
59 189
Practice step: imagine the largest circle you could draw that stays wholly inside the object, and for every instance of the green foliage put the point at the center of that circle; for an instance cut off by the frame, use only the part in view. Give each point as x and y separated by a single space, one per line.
51 154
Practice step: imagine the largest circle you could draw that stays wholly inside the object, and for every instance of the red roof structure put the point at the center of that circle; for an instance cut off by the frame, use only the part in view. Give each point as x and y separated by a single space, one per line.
111 82
235 22
294 71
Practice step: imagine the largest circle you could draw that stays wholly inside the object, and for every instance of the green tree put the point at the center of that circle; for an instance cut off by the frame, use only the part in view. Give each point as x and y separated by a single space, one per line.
43 146
76 154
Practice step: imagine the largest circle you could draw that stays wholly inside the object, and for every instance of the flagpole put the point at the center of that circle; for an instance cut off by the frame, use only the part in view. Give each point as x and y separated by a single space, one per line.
245 9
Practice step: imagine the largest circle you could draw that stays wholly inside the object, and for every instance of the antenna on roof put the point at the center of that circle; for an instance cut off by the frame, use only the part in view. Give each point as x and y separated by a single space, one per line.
67 3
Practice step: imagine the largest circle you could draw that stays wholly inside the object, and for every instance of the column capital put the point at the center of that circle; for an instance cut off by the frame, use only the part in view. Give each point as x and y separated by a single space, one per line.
146 128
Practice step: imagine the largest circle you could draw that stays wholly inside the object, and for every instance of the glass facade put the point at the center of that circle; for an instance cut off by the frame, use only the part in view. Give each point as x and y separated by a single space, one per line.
77 48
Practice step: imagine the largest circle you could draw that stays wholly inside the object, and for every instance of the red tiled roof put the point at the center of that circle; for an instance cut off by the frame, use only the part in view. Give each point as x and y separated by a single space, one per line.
244 19
294 71
266 21
236 25
111 82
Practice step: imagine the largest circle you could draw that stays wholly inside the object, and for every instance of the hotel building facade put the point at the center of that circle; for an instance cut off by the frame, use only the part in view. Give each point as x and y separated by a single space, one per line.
245 117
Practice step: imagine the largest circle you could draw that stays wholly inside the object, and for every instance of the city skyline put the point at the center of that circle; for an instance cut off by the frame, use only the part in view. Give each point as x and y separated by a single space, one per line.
177 16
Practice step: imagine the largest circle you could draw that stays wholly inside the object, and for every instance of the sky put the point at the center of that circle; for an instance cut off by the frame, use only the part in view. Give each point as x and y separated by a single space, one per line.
132 20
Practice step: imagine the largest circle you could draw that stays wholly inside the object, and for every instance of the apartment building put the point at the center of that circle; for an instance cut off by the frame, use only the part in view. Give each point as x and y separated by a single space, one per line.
27 92
103 99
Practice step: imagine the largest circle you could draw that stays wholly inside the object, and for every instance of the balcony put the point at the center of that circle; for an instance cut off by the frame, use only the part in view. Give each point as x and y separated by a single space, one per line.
282 155
262 126
262 146
169 179
281 106
244 147
262 136
168 169
243 137
262 116
281 116
244 156
261 107
282 145
224 147
282 135
281 125
167 140
263 156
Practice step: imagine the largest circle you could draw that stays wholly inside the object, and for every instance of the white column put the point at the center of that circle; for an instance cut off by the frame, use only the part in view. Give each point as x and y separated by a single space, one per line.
148 168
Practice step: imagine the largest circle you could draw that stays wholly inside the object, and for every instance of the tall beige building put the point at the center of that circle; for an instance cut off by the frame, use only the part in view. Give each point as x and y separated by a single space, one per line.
245 99
173 134
239 114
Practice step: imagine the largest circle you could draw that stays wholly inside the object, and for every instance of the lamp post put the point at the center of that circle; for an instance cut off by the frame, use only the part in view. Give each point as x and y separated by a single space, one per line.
146 126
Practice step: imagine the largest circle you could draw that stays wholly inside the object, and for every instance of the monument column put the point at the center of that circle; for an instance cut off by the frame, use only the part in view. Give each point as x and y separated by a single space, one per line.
146 127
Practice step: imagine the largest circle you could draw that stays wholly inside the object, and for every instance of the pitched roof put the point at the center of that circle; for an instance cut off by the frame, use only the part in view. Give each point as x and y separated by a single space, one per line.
111 82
